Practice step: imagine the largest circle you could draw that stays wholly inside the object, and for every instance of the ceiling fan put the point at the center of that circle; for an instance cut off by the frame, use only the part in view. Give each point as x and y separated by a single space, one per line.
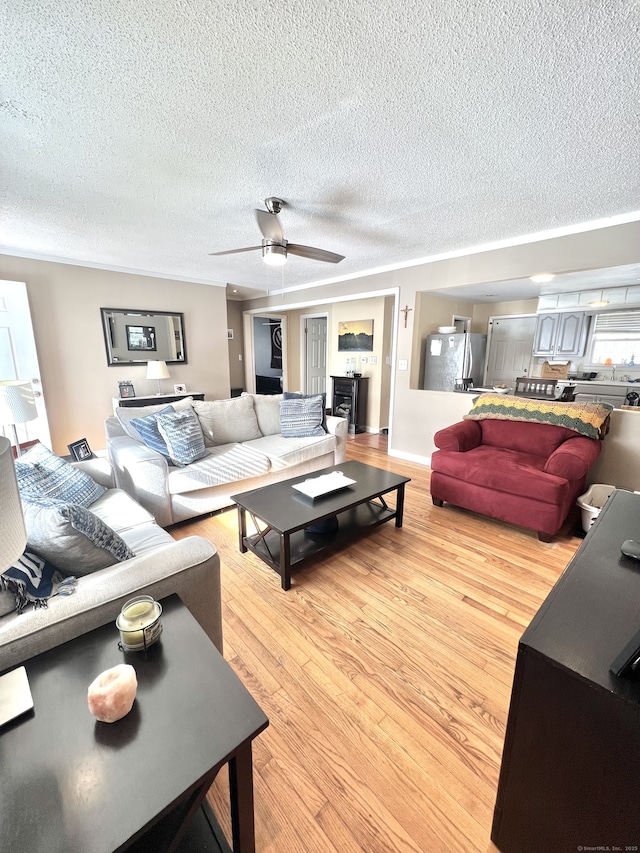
274 247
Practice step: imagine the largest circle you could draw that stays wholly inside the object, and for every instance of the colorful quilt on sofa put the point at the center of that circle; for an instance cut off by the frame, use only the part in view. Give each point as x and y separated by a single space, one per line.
588 419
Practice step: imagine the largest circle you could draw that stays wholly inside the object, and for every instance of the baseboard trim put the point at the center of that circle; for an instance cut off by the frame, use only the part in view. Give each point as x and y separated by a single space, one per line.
410 457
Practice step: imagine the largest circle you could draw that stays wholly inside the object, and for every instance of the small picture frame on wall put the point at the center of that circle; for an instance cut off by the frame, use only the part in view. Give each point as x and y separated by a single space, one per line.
125 389
180 389
229 334
80 450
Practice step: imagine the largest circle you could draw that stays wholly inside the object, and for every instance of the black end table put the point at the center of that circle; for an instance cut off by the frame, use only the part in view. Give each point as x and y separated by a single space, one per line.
72 783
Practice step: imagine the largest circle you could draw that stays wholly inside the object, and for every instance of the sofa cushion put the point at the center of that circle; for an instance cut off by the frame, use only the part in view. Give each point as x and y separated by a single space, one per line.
503 470
298 395
267 409
44 476
72 538
227 421
125 414
183 437
284 452
149 431
302 417
224 464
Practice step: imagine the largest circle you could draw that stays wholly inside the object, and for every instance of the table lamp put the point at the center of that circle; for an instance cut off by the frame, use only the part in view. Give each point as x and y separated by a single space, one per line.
157 370
17 406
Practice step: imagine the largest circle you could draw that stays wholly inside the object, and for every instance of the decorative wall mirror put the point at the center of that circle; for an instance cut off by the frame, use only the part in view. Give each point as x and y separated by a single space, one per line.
135 337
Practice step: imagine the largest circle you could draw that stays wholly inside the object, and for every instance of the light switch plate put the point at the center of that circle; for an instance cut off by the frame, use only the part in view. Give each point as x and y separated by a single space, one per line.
403 364
373 359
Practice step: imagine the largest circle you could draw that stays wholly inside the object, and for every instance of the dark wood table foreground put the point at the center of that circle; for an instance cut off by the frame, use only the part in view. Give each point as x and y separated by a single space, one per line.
71 783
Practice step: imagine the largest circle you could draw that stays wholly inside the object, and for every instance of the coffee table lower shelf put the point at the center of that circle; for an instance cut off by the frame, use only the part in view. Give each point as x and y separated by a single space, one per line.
282 551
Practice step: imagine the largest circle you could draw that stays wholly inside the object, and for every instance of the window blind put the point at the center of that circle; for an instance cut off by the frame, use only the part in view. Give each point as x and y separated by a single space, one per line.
618 321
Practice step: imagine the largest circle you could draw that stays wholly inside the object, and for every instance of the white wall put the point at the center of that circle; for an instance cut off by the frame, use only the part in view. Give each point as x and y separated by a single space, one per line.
78 386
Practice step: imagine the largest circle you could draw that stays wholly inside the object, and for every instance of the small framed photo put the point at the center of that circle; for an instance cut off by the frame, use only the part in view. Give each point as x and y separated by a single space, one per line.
80 450
126 390
229 334
179 389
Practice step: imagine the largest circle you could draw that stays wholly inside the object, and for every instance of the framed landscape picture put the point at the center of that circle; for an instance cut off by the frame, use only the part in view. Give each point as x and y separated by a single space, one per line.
355 336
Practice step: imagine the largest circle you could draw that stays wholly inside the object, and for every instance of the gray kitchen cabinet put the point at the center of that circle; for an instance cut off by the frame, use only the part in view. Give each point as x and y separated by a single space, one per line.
561 335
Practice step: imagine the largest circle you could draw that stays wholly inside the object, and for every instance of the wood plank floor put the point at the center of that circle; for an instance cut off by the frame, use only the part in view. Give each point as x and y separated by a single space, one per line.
385 672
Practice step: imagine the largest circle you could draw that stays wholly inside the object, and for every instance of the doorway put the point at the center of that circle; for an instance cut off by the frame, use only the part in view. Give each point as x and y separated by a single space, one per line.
19 359
510 349
267 354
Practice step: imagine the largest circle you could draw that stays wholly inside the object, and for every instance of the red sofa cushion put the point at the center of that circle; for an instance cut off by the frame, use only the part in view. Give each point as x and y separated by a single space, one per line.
512 472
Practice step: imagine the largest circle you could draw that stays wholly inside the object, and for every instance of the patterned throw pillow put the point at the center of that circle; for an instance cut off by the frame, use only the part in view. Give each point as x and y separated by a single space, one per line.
147 428
298 395
302 417
44 476
182 434
72 538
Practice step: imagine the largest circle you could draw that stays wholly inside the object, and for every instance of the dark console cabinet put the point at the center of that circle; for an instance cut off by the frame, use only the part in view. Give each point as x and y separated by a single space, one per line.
350 401
570 775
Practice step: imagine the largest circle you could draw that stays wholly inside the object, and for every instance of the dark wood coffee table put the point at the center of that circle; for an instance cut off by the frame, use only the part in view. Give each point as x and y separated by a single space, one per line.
286 513
71 783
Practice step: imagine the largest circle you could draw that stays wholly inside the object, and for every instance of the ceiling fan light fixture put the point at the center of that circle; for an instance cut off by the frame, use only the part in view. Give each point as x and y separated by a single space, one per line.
274 256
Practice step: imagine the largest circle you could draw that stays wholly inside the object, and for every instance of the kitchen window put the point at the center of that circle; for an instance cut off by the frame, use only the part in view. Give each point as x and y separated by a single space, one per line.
615 339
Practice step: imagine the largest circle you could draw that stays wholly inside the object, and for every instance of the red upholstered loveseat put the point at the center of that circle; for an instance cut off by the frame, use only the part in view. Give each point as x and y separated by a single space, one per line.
523 473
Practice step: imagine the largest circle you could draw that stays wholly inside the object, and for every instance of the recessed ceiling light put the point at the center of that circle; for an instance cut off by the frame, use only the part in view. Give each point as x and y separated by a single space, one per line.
542 277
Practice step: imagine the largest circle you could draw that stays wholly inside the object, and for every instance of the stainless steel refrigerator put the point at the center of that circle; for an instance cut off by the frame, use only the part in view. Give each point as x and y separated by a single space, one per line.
449 359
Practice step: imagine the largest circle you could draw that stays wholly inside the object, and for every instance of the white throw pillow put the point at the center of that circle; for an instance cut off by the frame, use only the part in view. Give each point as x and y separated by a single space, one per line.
227 421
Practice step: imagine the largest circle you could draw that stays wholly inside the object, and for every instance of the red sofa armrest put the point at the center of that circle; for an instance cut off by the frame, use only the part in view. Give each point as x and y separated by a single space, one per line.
573 458
462 436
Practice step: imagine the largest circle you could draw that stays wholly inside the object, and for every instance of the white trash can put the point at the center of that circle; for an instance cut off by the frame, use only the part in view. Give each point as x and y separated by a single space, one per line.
592 502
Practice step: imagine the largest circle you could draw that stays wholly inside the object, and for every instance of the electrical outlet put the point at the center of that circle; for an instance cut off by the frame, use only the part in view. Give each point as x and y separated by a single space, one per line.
363 359
387 360
239 356
373 360
403 364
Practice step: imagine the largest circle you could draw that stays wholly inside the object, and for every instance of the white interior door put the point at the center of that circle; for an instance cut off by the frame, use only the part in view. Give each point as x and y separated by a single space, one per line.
510 350
18 357
315 331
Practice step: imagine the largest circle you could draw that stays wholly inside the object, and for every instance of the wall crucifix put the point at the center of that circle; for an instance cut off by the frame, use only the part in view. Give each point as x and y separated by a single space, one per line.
405 311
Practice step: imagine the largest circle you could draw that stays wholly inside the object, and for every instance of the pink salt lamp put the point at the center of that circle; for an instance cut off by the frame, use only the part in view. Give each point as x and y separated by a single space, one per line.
111 695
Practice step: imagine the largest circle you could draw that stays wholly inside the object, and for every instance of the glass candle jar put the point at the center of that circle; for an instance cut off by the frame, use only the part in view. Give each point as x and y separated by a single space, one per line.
139 623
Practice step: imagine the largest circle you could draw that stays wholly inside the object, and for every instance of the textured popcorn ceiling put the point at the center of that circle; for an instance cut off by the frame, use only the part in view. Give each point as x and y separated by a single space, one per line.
140 135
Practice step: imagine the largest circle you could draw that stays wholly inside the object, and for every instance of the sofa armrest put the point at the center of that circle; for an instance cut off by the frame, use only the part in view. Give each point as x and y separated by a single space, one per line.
338 427
144 474
573 458
189 567
460 437
99 469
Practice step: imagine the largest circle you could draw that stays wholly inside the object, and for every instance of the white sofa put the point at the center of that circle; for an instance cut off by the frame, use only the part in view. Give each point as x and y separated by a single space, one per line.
259 455
162 566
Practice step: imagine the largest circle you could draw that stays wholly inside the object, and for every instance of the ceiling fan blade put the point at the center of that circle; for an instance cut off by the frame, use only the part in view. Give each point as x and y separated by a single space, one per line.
235 251
269 225
314 254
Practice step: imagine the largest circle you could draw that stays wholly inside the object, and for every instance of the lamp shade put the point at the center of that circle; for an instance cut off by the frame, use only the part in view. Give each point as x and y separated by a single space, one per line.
17 404
157 370
13 537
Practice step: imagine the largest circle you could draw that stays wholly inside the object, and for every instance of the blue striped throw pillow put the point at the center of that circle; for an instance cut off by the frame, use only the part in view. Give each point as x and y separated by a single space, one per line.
302 417
44 476
147 428
183 436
